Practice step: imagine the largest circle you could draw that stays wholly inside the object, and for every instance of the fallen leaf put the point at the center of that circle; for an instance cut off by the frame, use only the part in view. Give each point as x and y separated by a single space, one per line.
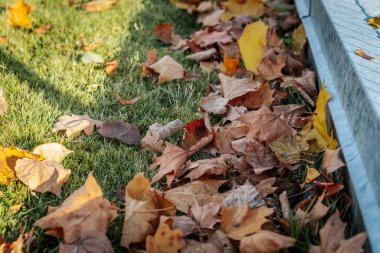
319 210
15 246
165 240
198 133
251 45
164 32
292 114
250 8
234 113
202 191
151 59
42 176
311 174
205 38
15 208
193 246
244 194
319 131
98 5
240 221
184 223
332 238
124 132
256 154
111 67
202 55
75 124
52 151
330 189
92 58
215 104
375 22
3 39
265 186
210 19
216 166
285 206
3 103
274 60
82 220
230 65
331 161
43 29
208 66
168 69
18 15
265 241
267 124
233 87
206 215
362 54
263 95
307 81
288 148
224 136
299 38
171 160
124 101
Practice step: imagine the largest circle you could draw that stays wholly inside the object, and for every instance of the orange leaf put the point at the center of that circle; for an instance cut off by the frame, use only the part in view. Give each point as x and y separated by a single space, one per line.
18 15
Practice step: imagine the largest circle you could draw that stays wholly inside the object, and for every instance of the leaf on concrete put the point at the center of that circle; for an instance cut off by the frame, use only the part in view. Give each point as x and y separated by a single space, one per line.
251 45
250 8
244 194
98 5
42 176
123 131
3 103
288 148
82 220
52 151
375 22
75 124
165 240
206 215
168 69
92 58
233 87
18 15
331 161
240 221
265 241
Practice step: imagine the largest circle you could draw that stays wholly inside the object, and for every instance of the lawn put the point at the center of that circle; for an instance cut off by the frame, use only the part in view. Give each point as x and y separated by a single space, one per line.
43 78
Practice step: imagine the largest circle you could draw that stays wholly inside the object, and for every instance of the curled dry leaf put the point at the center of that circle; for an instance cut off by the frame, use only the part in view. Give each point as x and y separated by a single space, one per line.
111 66
165 240
251 45
234 87
198 133
240 221
206 215
43 29
215 166
18 15
288 148
151 59
164 32
52 151
75 124
124 101
244 194
3 103
168 69
205 38
202 55
273 62
265 241
215 104
210 19
263 95
331 161
42 176
82 220
98 5
124 132
250 8
362 54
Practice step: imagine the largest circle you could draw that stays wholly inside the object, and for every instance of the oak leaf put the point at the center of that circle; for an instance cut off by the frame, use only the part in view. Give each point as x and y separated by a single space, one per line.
52 151
234 87
331 161
98 5
82 220
250 8
265 241
288 148
240 221
3 103
75 124
168 69
18 15
251 45
206 215
124 132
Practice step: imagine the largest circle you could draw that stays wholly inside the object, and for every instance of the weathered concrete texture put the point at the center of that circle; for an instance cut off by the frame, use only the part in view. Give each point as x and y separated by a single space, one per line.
335 29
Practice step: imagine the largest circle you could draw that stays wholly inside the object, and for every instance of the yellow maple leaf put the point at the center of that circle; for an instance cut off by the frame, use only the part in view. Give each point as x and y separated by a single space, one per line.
251 8
317 129
18 15
251 45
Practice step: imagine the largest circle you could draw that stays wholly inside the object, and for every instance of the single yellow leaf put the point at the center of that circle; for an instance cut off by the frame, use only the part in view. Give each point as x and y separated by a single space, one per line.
98 5
375 22
311 175
6 173
52 151
299 38
18 15
251 8
251 45
319 131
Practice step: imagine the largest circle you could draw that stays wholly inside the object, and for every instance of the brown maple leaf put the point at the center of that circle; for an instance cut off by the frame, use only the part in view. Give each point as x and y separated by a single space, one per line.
124 132
206 215
168 69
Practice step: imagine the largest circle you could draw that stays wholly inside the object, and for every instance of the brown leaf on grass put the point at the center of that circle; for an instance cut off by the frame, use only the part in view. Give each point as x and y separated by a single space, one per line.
111 66
202 191
81 220
256 154
292 114
362 54
168 69
124 101
75 124
198 133
15 208
225 135
98 5
52 151
331 161
263 95
151 59
202 55
156 135
208 66
3 103
171 160
234 113
288 148
332 238
265 241
240 221
234 87
244 194
165 240
16 246
266 124
273 62
215 104
215 166
43 29
210 19
124 132
42 176
205 38
265 186
206 215
164 32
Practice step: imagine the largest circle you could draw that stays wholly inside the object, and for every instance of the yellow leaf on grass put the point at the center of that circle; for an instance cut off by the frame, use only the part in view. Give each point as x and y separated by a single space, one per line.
319 130
18 15
52 151
375 22
251 45
251 8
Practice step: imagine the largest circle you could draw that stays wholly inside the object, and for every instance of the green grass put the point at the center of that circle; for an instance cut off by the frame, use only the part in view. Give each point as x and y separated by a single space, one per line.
43 78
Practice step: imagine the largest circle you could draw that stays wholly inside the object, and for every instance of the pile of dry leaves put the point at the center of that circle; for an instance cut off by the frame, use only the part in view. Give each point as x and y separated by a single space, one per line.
244 197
